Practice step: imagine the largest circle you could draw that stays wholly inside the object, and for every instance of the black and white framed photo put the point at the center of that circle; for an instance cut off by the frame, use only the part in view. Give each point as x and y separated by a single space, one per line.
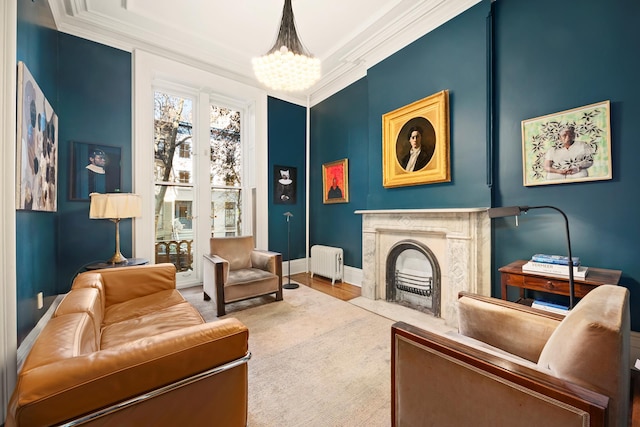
284 185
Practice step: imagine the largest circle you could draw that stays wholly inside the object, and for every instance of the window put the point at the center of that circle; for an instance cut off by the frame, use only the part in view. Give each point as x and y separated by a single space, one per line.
173 126
181 207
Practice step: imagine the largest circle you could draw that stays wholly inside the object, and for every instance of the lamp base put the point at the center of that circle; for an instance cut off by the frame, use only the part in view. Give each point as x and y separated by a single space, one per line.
290 285
117 258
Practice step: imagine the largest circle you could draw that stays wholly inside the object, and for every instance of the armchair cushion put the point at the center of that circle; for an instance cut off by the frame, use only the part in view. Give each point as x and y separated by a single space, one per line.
236 251
591 348
508 326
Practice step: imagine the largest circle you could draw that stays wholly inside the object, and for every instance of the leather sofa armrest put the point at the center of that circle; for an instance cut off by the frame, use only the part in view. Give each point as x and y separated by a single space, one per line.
512 327
431 373
71 387
267 260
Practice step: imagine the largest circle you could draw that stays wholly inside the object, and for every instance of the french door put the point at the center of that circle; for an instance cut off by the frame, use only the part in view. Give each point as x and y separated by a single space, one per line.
200 162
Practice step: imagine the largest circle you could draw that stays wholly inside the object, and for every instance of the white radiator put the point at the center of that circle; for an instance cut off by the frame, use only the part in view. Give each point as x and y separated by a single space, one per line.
327 261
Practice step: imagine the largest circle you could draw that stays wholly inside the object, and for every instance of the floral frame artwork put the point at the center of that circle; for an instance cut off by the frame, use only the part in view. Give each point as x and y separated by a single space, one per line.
547 157
428 117
335 182
94 168
37 147
285 181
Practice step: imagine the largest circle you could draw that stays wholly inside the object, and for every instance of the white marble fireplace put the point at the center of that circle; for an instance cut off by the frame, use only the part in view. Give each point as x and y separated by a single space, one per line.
460 239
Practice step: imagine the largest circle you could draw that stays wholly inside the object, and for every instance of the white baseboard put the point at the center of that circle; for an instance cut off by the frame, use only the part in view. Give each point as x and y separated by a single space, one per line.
352 275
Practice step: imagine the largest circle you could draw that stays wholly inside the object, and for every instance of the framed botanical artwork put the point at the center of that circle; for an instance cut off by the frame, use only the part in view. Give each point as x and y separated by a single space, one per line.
284 185
569 146
415 143
95 168
37 147
335 182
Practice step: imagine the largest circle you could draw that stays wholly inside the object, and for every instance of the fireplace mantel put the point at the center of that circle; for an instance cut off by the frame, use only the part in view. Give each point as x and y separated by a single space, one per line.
460 238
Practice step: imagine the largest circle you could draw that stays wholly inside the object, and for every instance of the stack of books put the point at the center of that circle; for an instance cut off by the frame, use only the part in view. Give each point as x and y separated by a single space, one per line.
549 306
555 264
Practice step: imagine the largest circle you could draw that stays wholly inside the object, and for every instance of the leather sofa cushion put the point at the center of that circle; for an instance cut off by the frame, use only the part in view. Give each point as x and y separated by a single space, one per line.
142 306
121 284
86 300
77 385
63 337
589 345
175 317
235 250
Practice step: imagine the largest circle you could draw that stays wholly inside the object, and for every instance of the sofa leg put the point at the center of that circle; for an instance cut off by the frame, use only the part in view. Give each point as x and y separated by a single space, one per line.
206 297
279 295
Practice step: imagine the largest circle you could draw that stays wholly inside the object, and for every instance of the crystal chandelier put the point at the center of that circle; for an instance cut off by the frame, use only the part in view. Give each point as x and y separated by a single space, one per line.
288 66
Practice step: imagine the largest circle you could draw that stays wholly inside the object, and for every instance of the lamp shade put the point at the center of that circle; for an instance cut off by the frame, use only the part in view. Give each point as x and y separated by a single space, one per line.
115 206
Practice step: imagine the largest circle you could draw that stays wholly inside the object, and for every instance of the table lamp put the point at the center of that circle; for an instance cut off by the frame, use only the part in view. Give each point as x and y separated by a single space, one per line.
114 207
516 211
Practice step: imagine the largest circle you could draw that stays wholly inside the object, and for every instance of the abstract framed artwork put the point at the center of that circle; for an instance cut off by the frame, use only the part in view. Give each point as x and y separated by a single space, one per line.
95 168
415 143
335 182
37 147
569 146
284 185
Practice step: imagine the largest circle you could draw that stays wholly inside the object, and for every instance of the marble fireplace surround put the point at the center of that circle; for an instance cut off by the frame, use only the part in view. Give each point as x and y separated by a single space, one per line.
459 238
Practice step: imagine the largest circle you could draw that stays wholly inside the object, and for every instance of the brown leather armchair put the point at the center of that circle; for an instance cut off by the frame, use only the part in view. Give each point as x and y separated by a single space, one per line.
234 271
510 364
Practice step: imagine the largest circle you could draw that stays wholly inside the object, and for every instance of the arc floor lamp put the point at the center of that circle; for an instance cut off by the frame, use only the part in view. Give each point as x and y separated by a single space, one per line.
517 211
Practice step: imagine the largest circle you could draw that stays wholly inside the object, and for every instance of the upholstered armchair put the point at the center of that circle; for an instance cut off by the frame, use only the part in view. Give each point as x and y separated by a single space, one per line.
510 364
234 271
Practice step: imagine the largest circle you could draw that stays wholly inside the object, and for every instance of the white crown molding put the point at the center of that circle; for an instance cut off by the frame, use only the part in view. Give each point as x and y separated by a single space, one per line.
405 22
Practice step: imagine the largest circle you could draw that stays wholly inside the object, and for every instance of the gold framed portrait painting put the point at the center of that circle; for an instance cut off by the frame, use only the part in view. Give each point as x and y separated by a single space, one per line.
335 182
566 147
415 143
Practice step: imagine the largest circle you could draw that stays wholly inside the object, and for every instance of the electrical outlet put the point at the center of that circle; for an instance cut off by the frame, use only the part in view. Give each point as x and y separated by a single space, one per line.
40 300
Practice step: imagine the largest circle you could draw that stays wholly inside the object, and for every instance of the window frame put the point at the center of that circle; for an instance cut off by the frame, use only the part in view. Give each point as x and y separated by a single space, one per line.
153 73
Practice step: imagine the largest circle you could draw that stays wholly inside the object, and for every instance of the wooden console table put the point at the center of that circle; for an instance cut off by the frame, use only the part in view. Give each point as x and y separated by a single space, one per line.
512 275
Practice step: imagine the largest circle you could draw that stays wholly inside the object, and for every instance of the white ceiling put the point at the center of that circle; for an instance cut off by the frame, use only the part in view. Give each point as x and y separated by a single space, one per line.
349 36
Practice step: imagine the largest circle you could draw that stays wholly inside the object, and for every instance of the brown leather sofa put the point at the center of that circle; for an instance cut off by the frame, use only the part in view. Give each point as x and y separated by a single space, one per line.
511 365
124 348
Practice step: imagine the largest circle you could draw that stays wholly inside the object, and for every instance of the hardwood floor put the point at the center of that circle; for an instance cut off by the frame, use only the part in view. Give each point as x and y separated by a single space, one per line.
340 290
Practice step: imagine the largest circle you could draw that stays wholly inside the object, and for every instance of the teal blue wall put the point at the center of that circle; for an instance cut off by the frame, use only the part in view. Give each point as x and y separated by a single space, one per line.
451 57
549 56
36 232
89 87
349 124
584 53
287 147
94 84
339 130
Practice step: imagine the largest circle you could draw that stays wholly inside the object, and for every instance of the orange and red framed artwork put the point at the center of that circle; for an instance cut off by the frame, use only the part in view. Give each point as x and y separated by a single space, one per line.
335 182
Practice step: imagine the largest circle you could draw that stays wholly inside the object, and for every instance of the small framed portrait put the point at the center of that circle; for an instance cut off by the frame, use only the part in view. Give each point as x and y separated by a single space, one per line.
95 168
284 185
415 143
335 182
566 147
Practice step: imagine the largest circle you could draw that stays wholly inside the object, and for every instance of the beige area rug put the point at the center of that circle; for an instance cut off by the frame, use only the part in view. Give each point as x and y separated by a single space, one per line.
316 360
